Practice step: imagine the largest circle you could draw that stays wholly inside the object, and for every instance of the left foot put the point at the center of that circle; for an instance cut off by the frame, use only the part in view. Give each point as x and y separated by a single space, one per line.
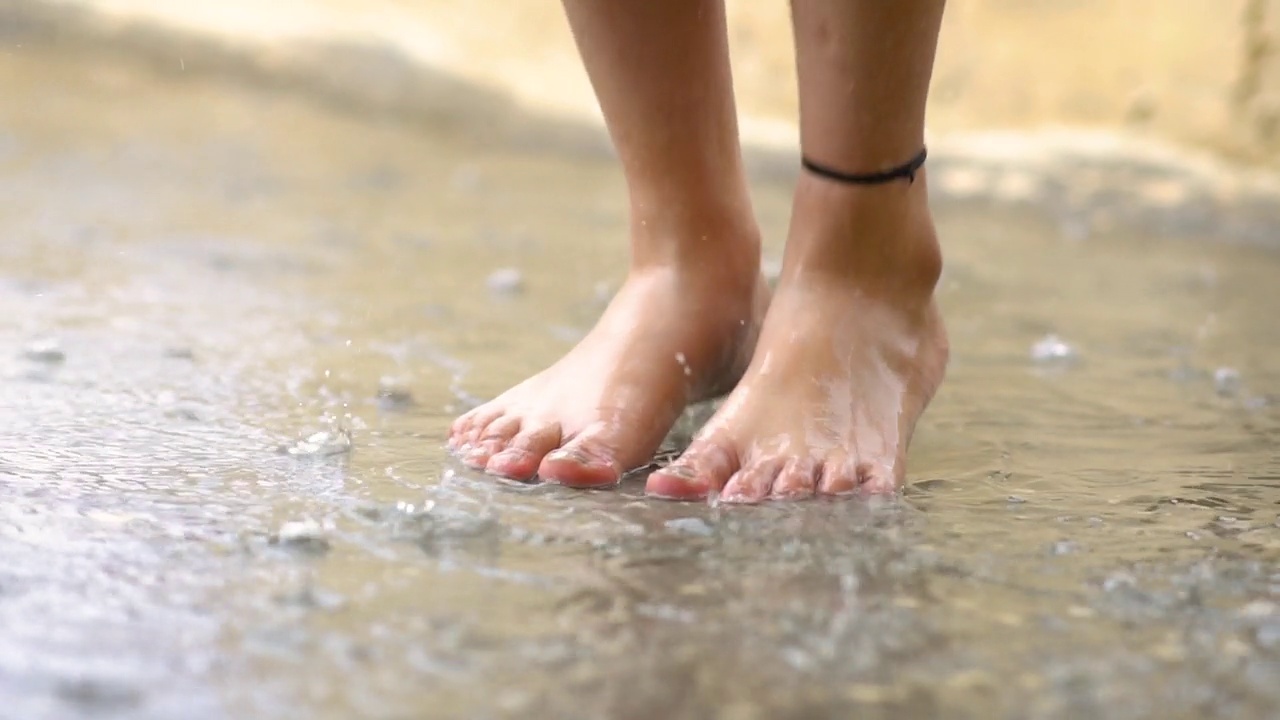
852 350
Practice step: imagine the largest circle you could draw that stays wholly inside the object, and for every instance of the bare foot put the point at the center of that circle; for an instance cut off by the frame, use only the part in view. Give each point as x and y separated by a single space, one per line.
851 352
677 332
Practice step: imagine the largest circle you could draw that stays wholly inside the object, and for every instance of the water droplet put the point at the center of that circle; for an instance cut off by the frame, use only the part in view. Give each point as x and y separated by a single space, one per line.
684 363
320 444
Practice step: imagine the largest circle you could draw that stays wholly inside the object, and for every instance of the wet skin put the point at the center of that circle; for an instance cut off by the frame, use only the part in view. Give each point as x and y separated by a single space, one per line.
850 353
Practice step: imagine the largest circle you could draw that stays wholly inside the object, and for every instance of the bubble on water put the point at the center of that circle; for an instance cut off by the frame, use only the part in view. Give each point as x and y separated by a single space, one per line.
690 526
1052 349
1226 381
44 350
505 281
320 444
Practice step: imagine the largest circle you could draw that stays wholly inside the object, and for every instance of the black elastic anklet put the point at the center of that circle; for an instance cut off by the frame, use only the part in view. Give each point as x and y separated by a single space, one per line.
906 170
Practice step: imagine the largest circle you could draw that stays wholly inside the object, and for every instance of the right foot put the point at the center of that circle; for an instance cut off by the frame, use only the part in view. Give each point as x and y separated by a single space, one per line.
677 332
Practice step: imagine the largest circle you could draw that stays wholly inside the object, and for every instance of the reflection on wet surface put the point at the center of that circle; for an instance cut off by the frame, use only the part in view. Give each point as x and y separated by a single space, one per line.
237 326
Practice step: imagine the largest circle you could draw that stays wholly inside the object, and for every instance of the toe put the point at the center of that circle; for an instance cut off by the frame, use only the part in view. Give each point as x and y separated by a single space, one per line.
588 461
476 422
697 473
460 427
520 459
752 484
492 440
837 476
878 478
798 480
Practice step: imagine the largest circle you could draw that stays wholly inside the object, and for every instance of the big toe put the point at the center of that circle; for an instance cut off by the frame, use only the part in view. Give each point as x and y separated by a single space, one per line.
880 478
588 461
695 475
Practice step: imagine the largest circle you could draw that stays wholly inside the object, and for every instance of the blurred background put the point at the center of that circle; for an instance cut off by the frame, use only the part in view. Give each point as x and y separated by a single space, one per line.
1197 73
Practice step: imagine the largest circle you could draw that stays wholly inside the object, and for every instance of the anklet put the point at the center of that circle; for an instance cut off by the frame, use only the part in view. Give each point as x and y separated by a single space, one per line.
906 170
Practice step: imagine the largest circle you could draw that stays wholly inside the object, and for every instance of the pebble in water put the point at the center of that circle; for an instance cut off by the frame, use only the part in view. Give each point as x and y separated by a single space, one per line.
393 392
1051 349
1064 547
1119 581
312 598
1226 381
306 535
1260 609
320 444
505 281
44 350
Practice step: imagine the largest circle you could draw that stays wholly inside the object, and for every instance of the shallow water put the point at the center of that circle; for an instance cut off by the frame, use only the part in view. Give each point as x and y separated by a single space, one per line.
195 276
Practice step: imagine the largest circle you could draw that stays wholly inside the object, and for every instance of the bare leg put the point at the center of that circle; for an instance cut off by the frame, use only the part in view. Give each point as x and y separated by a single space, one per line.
683 325
853 347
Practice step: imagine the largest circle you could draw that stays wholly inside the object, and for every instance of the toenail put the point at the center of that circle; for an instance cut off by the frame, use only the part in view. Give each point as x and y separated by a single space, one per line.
684 472
571 455
508 454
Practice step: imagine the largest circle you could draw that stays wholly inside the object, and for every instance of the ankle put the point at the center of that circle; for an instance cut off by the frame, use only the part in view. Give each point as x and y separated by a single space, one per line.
717 244
880 238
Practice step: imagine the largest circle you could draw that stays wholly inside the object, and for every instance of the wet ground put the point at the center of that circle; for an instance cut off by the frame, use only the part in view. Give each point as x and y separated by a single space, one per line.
235 328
